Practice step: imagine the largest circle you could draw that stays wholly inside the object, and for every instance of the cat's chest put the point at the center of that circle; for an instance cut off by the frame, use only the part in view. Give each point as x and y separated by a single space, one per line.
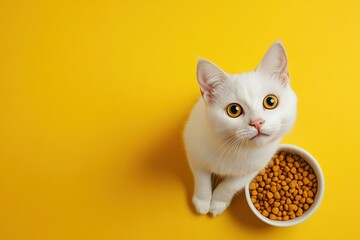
238 161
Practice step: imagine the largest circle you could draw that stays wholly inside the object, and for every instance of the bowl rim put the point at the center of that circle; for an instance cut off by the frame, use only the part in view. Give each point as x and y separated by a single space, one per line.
318 197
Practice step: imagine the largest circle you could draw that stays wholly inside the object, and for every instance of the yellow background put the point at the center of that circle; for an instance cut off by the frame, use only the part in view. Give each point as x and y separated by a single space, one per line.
94 96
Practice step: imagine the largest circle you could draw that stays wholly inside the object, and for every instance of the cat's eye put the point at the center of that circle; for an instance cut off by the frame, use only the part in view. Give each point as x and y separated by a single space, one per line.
234 110
270 102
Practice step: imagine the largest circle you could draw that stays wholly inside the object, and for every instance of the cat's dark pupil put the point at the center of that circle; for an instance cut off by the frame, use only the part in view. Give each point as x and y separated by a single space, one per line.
270 101
234 109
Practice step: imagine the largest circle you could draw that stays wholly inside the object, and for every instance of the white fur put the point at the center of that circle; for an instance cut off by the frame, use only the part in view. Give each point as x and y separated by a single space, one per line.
216 143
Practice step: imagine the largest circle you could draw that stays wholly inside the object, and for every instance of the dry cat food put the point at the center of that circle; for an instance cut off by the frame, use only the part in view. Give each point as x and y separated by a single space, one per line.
285 189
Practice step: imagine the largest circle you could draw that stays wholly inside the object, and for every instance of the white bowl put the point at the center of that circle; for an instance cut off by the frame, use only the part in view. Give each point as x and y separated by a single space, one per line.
318 196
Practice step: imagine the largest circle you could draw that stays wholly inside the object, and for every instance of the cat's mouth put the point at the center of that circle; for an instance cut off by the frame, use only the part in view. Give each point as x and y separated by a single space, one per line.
259 134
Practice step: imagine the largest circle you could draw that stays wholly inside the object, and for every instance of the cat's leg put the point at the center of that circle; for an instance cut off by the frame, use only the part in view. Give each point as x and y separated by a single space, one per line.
203 190
226 190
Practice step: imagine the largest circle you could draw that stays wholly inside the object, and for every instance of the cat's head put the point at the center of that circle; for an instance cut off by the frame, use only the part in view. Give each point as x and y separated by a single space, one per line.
254 108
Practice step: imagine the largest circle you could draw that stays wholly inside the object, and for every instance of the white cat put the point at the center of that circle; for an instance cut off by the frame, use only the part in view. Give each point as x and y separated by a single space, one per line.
236 126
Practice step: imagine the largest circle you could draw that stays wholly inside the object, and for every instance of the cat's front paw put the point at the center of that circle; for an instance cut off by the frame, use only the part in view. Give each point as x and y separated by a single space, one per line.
218 207
201 206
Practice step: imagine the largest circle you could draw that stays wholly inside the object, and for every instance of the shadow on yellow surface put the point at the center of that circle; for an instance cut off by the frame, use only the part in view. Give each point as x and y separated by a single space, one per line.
167 160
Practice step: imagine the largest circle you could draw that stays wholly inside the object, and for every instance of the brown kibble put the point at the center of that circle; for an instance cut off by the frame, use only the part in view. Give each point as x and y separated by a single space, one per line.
277 161
253 200
254 192
293 207
277 195
293 170
289 159
310 193
271 163
306 180
275 168
275 210
299 212
276 204
292 184
271 201
309 200
265 213
273 189
311 176
272 216
306 206
297 197
260 196
252 186
305 194
285 218
269 195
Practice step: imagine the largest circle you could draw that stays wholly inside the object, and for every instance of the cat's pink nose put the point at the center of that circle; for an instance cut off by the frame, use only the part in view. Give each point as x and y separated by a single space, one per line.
257 123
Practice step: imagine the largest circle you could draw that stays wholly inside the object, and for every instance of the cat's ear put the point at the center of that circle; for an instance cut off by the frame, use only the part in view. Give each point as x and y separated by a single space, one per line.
209 76
275 63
